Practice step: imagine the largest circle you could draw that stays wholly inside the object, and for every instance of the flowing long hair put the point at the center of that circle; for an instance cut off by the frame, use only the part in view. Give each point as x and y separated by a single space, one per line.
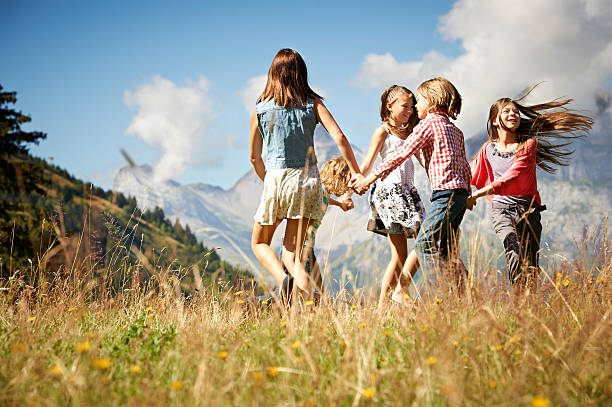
389 96
551 124
288 80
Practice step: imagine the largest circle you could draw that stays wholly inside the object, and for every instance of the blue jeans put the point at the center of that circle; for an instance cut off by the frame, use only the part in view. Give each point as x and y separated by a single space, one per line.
437 235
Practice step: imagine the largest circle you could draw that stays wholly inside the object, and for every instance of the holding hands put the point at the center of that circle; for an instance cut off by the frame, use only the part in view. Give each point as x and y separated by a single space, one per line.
361 184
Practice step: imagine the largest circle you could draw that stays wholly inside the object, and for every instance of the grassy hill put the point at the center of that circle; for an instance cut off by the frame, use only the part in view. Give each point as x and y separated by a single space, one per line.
75 225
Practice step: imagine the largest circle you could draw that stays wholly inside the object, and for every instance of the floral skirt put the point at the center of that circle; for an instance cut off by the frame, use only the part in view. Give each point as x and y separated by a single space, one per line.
290 193
395 209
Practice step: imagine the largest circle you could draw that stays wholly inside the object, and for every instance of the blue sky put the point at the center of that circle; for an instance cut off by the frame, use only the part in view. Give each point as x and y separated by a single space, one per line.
72 63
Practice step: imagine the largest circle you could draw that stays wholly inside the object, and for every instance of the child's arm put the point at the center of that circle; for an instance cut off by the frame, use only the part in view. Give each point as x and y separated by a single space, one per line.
420 136
327 120
255 148
345 203
378 138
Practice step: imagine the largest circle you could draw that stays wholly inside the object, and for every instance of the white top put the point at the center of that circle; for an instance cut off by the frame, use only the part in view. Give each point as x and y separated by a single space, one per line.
404 174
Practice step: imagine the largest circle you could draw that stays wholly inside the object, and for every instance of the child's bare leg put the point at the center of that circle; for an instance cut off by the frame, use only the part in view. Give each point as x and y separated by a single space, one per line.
260 244
408 272
399 250
316 278
295 233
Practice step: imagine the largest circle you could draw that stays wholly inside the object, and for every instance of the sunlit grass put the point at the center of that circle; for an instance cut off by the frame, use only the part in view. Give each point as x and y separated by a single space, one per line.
65 344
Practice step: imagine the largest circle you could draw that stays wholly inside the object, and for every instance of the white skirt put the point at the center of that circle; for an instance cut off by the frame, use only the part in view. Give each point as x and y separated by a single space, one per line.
290 193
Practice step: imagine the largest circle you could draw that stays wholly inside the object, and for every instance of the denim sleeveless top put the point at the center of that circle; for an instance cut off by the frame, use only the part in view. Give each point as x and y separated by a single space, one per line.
287 134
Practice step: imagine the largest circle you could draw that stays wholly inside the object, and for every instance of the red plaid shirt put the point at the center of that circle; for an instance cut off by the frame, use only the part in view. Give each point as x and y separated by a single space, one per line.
443 152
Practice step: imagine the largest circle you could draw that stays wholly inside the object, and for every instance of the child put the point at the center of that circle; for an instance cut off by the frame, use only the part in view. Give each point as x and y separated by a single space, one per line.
443 153
505 172
396 210
335 177
282 127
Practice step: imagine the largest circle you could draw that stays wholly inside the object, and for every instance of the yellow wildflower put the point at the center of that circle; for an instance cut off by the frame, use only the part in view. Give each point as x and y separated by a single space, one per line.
310 302
353 307
384 363
518 352
82 347
101 363
18 347
135 369
283 323
295 345
90 335
498 348
342 342
566 282
493 384
298 359
150 315
515 339
273 371
438 300
238 292
388 332
455 343
31 319
601 280
540 402
176 385
432 360
258 378
369 393
72 309
373 378
425 328
559 275
240 302
55 370
363 325
149 309
466 338
222 355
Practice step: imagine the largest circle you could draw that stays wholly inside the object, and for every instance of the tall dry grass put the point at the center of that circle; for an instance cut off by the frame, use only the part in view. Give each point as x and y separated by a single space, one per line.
63 343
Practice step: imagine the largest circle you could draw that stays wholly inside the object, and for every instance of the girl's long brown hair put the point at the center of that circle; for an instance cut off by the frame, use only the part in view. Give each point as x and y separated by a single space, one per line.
288 80
551 124
389 96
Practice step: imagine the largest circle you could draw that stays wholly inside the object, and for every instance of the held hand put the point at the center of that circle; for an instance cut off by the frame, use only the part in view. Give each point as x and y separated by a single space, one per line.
470 203
362 185
354 179
347 203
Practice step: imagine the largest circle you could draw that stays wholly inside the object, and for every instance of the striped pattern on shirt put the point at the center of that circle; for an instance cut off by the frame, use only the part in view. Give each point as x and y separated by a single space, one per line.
442 150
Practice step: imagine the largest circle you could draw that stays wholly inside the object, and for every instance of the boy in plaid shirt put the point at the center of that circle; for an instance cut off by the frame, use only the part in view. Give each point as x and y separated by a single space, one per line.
442 153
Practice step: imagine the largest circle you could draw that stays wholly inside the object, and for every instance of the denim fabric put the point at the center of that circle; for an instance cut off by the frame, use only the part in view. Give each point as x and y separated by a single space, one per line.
287 134
440 226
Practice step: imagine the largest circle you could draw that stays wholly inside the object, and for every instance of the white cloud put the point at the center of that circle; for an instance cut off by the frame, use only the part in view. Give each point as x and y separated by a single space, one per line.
250 94
175 120
256 86
507 47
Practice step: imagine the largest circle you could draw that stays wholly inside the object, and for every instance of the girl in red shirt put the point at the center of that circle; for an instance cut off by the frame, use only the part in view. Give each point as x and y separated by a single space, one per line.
504 170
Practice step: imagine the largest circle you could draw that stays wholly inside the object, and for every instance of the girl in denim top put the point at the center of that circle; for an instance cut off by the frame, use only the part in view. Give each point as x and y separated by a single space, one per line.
505 171
282 129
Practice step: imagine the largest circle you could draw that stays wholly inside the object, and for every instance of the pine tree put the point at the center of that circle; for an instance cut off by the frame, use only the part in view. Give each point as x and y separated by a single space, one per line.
21 178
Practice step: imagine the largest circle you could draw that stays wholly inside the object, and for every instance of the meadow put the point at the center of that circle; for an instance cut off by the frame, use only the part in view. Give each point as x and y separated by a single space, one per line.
66 340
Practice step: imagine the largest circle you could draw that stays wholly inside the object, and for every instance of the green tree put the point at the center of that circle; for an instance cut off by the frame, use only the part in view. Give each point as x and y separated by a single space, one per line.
21 177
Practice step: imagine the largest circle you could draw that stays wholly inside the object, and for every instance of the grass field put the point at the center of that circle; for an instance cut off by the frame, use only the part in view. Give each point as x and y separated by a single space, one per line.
63 343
